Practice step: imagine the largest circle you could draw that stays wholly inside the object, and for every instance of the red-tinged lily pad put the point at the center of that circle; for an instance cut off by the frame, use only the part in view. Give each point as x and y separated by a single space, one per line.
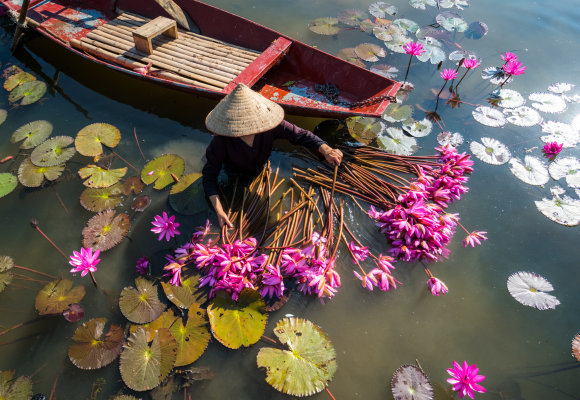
141 305
141 203
57 296
18 79
410 383
74 313
11 389
105 230
133 184
349 55
91 350
159 170
99 177
193 337
352 17
97 200
90 139
369 52
325 26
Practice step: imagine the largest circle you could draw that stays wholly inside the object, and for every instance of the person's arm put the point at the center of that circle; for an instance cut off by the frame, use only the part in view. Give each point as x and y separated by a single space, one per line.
221 214
215 155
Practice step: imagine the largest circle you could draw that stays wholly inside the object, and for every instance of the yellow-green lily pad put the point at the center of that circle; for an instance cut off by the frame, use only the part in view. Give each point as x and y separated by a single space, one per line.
159 170
90 139
99 177
32 176
57 295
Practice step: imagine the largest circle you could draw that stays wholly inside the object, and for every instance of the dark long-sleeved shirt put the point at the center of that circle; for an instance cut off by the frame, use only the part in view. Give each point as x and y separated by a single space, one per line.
242 159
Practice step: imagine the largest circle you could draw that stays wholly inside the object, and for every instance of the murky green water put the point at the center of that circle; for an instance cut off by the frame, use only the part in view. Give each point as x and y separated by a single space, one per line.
373 332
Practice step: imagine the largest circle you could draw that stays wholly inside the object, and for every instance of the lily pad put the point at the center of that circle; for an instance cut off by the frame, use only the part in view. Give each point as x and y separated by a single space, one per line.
187 196
369 52
10 389
165 320
457 55
560 88
192 339
18 79
476 30
33 134
241 324
561 133
308 365
508 98
562 210
429 31
74 313
523 116
492 151
367 127
496 76
6 277
104 161
349 55
532 170
91 350
433 51
460 4
406 25
90 139
144 367
548 102
8 183
188 292
97 200
57 295
489 116
350 123
53 152
141 203
394 141
454 139
141 305
367 25
422 4
568 167
162 168
451 21
105 230
99 177
325 26
418 128
352 17
395 112
410 383
529 289
3 115
576 346
388 71
381 10
29 92
133 184
397 42
32 176
381 33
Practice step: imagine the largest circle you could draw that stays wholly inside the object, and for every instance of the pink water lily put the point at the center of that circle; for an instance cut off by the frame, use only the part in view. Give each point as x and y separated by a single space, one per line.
174 270
368 280
357 252
273 282
474 238
437 287
385 280
465 379
448 74
471 63
413 48
142 265
200 233
514 68
165 226
85 261
507 57
552 148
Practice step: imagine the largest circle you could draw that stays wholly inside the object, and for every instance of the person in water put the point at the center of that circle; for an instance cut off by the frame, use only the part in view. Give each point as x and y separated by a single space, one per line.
245 125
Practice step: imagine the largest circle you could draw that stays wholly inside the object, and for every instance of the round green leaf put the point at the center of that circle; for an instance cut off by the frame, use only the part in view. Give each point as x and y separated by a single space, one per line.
10 389
396 142
397 42
352 17
6 263
187 196
241 324
33 134
309 365
369 52
162 168
98 200
101 178
18 79
324 26
5 280
3 115
188 292
57 295
192 339
133 184
91 350
29 92
410 383
105 230
32 176
349 55
144 367
52 152
141 305
395 112
89 139
8 183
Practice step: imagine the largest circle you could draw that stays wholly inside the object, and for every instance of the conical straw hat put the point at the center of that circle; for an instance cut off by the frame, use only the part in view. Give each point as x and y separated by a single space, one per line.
244 112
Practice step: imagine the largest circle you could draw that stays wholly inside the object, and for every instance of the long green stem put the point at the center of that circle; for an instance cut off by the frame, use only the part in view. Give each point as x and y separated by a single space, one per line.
408 68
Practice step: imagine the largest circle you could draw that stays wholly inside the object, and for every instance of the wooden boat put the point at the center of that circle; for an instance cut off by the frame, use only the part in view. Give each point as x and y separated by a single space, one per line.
229 50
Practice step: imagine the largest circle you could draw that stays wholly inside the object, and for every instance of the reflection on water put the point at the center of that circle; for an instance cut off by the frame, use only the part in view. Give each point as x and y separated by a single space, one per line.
373 332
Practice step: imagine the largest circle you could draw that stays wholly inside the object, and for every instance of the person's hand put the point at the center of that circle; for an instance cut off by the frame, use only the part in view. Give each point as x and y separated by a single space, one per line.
333 156
223 219
222 216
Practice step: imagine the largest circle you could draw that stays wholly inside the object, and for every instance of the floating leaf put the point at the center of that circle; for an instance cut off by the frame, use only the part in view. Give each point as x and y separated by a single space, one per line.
97 200
451 21
241 324
74 313
429 31
18 79
141 203
29 92
8 183
529 289
3 115
560 88
381 10
6 263
395 112
454 139
576 346
57 295
422 4
568 167
381 33
548 102
395 142
397 42
410 383
91 350
99 177
368 128
468 55
89 139
406 25
192 339
491 151
385 70
507 98
367 25
532 170
10 389
133 184
144 367
476 30
350 123
352 17
460 4
560 132
349 55
496 76
53 152
418 128
523 116
33 134
324 26
489 117
105 230
188 292
165 320
162 168
308 365
562 210
6 277
433 51
369 52
32 176
187 196
141 305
